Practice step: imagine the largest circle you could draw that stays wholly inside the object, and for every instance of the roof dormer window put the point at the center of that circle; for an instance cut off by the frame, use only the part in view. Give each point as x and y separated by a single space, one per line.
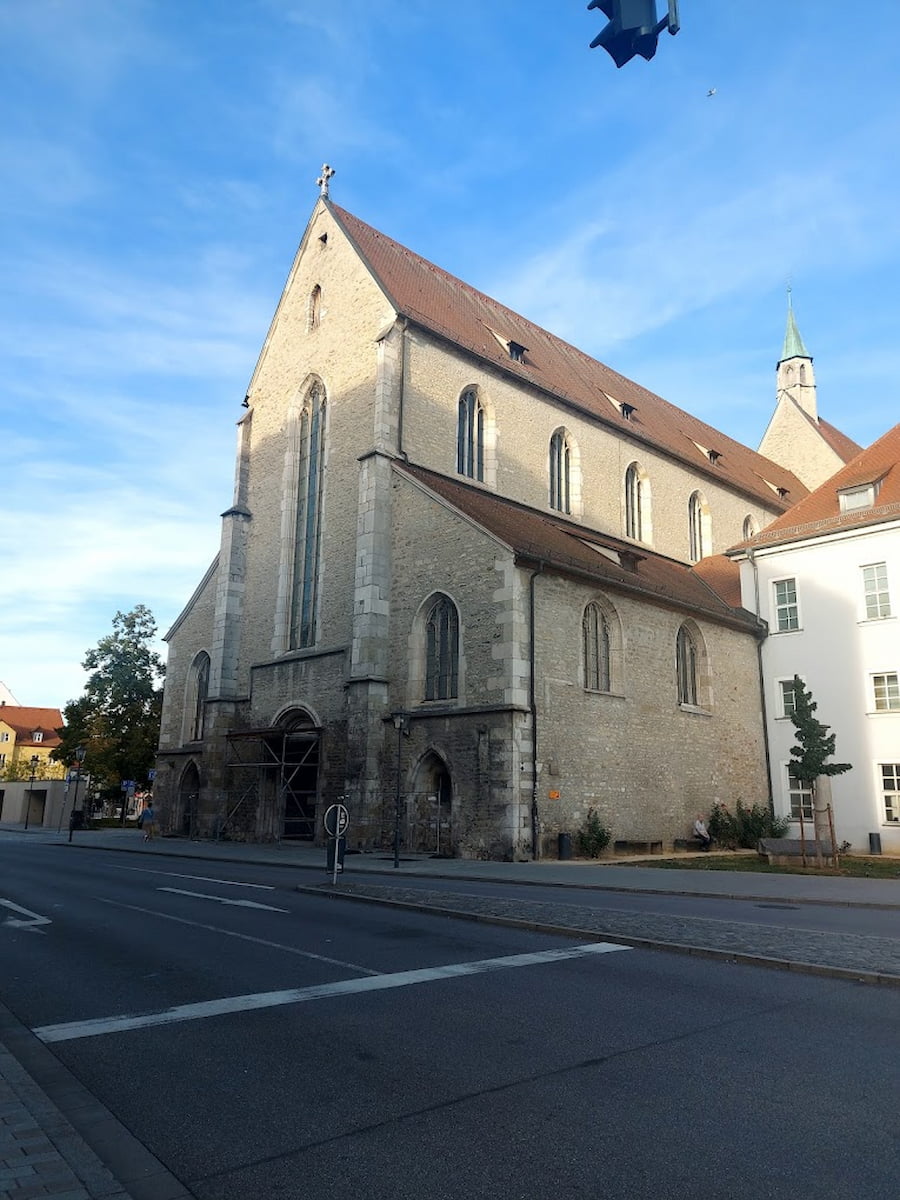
37 735
516 351
853 499
713 456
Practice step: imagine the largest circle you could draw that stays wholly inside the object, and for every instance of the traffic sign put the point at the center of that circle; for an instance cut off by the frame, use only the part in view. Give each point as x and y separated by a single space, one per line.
337 818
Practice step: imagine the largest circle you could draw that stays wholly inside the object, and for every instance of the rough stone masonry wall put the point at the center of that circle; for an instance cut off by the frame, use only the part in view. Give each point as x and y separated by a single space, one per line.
645 764
524 421
435 550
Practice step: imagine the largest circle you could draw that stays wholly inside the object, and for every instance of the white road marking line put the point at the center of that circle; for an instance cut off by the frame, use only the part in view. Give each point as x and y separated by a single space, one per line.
224 900
263 887
72 1030
244 937
34 919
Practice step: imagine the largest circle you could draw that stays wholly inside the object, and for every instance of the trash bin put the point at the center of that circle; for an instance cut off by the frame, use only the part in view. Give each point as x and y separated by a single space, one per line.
76 821
874 843
565 846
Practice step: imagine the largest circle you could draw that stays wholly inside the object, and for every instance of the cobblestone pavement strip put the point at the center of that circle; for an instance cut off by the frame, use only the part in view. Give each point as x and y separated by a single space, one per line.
851 956
40 1153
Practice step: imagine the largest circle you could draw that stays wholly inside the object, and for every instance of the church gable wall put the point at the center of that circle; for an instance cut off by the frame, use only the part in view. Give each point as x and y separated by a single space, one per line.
794 443
647 765
193 633
524 421
340 353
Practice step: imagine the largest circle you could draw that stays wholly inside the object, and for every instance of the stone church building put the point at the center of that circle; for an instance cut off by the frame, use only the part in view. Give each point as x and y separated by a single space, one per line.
471 583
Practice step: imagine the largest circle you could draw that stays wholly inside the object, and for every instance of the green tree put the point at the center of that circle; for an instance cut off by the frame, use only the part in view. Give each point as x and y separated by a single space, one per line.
815 745
117 718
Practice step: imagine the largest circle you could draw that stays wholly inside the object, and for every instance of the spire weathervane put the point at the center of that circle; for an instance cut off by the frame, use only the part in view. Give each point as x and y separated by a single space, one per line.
324 178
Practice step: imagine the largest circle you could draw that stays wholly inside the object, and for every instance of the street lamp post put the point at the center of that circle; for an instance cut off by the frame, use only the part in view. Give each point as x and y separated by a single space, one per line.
401 724
79 759
35 759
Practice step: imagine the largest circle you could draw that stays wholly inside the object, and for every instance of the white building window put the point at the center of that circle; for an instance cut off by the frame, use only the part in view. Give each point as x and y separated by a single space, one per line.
787 697
887 692
890 791
875 583
37 736
800 797
4 736
787 610
2 760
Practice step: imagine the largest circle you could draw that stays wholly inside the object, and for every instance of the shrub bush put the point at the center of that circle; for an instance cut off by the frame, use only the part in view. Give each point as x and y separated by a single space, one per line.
593 837
745 826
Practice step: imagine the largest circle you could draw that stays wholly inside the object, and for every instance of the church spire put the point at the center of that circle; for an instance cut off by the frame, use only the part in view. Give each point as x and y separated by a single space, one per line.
795 379
793 342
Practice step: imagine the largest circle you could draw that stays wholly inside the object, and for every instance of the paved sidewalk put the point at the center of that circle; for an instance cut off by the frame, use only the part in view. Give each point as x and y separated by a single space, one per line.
616 876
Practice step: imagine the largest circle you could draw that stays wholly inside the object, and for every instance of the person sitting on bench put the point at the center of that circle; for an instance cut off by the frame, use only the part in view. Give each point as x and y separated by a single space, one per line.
701 833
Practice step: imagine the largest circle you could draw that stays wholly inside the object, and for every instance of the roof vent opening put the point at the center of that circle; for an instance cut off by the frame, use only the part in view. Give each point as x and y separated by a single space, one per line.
713 456
323 238
516 351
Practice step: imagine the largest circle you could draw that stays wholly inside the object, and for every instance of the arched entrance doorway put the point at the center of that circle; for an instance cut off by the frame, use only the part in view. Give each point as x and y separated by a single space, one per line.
188 799
300 776
431 812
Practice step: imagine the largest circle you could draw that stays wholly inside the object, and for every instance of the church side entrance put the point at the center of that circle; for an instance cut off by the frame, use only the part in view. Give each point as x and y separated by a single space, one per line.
430 811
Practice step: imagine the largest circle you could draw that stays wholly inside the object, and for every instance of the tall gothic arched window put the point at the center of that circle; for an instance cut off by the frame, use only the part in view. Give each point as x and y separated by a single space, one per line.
699 526
595 634
442 650
199 689
686 667
560 473
307 529
470 436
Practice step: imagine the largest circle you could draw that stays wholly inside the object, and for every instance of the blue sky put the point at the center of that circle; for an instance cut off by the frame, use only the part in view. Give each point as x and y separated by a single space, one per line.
160 159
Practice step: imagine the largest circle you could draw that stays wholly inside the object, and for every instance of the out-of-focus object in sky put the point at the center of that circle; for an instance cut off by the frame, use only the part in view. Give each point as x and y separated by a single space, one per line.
711 92
633 28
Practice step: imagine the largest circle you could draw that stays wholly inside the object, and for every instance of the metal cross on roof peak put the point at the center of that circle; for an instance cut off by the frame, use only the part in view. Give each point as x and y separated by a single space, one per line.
323 179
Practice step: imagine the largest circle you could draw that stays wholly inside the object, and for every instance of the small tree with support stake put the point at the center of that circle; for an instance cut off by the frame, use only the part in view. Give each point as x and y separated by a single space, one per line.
808 764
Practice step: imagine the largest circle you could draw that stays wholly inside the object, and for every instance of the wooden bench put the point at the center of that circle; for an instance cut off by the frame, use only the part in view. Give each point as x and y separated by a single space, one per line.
632 847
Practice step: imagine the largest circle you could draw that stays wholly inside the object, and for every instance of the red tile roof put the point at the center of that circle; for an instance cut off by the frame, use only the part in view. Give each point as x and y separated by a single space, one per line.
819 513
25 721
451 309
567 548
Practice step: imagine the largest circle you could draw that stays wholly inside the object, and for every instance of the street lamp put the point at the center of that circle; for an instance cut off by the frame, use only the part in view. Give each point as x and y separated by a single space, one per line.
79 759
401 724
35 759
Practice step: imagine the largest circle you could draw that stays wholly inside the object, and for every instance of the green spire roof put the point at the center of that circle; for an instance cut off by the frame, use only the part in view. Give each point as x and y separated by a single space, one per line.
793 342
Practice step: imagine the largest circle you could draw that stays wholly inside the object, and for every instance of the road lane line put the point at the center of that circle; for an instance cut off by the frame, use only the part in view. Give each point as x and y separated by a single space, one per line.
243 937
34 919
263 887
224 900
74 1030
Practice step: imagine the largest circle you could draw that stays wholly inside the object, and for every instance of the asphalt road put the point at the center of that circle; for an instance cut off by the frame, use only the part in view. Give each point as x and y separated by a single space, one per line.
266 1043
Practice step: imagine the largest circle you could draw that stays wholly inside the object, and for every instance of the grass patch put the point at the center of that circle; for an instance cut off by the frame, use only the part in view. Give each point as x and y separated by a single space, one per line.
852 866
